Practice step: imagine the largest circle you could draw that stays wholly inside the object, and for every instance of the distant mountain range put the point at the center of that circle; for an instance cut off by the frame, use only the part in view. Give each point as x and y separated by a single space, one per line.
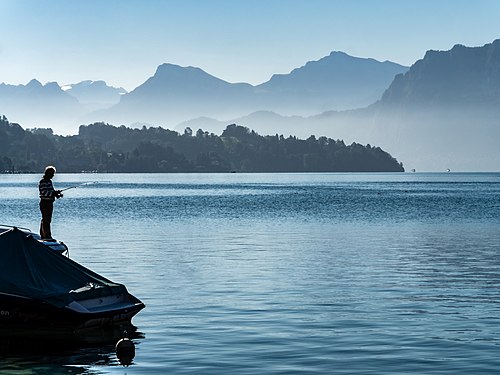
335 82
94 95
34 103
49 105
175 94
441 113
463 76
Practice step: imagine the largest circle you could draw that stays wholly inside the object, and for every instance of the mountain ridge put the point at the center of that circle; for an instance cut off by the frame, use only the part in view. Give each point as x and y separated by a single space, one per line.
94 95
465 75
427 118
175 94
441 113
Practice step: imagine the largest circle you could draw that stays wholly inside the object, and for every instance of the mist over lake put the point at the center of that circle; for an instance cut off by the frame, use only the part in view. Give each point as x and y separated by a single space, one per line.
282 273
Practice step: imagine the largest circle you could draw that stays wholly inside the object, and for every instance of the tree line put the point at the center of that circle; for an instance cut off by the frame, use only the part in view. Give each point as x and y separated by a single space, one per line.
102 147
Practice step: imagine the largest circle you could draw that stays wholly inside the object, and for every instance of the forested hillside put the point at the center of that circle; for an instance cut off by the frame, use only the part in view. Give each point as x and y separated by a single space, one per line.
105 148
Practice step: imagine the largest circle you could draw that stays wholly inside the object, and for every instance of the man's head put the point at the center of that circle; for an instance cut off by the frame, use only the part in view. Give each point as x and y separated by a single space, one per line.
50 171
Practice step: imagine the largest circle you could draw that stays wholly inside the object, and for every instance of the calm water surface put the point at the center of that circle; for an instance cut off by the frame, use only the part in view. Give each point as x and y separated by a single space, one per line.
282 273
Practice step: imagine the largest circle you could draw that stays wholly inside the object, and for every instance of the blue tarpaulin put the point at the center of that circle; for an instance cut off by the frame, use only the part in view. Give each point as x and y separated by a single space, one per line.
31 269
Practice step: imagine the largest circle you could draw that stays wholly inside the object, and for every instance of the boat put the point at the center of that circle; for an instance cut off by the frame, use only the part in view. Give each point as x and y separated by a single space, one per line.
42 290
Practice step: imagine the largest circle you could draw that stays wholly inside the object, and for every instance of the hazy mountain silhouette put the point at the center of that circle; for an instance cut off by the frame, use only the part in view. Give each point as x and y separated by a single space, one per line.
443 113
335 82
461 76
440 113
94 95
38 105
175 93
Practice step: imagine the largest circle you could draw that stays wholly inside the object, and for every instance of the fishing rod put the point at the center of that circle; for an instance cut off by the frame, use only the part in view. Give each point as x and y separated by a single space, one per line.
77 186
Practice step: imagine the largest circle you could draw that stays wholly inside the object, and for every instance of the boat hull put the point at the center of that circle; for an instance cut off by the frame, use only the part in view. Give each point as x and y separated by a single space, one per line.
46 293
23 312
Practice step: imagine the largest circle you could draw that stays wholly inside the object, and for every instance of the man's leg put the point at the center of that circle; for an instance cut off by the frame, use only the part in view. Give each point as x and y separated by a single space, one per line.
46 208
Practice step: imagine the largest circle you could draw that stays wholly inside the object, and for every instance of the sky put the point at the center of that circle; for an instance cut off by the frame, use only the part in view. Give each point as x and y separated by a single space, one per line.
124 41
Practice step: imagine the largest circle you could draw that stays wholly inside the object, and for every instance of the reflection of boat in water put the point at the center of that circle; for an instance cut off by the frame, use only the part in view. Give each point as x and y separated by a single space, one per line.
22 351
43 291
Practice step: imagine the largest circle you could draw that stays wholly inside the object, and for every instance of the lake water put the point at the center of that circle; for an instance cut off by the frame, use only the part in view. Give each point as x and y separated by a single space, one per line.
283 273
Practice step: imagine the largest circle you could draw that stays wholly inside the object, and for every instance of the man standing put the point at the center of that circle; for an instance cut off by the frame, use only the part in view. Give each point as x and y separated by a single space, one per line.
47 197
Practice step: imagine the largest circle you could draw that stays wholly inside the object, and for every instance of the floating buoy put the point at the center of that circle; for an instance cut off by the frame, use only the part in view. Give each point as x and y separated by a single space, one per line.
125 350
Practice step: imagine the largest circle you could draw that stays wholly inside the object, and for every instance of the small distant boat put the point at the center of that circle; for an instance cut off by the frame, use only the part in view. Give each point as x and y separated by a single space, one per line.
448 170
40 288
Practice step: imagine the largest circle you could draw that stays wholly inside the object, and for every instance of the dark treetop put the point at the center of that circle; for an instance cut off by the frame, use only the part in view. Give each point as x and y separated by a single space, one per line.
105 148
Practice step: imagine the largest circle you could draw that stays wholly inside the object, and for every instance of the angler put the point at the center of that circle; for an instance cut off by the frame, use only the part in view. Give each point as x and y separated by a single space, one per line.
47 197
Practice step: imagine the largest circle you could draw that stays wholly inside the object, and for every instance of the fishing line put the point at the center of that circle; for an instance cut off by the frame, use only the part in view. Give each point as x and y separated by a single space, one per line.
80 185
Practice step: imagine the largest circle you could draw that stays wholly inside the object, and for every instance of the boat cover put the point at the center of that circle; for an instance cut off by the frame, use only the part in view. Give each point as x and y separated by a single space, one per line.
28 268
